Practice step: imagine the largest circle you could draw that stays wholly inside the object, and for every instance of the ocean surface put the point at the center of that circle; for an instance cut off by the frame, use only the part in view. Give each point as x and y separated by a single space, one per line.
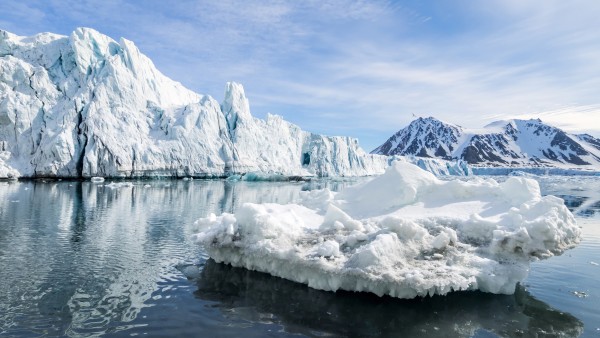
84 259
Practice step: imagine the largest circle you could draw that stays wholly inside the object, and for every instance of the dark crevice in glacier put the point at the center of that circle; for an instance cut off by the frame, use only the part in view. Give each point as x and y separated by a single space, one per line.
83 140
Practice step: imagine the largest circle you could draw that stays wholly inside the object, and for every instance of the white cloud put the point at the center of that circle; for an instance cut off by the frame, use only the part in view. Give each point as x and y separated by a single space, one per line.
574 119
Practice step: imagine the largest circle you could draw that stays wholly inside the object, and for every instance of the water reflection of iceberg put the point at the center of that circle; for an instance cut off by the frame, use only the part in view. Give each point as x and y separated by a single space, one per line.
583 206
259 297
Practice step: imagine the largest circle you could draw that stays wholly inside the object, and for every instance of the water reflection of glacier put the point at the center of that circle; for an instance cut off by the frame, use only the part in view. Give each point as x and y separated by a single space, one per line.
82 258
261 298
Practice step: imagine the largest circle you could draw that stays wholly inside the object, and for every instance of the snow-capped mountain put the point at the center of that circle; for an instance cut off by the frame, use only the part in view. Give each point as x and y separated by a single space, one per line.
508 143
86 105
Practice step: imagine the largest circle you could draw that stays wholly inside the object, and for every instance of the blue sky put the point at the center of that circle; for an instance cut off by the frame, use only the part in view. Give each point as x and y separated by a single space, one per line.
361 68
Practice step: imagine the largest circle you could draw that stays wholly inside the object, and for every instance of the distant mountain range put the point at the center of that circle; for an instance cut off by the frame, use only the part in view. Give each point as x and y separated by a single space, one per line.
507 143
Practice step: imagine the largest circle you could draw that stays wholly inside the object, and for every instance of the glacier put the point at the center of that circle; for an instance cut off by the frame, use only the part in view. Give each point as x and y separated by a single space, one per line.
404 234
87 106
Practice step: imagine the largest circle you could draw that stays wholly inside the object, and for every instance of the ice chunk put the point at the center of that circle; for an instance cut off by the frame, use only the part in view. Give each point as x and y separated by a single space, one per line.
263 177
337 219
329 248
117 185
399 186
190 271
402 234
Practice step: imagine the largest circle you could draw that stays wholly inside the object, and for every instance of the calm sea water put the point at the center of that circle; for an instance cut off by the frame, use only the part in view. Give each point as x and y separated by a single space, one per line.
82 259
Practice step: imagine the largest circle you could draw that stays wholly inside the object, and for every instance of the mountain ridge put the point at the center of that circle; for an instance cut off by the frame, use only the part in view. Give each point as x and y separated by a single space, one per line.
506 143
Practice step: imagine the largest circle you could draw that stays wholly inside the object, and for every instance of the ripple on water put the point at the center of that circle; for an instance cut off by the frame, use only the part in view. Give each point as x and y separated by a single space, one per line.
561 279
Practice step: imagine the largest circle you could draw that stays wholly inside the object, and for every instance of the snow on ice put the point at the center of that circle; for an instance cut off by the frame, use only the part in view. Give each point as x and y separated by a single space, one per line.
404 234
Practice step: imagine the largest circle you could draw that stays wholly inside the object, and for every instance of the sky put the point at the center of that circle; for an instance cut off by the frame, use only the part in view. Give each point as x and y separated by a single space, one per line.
361 68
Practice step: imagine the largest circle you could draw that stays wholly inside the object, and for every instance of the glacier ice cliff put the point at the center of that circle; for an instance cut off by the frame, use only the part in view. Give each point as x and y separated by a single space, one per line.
86 105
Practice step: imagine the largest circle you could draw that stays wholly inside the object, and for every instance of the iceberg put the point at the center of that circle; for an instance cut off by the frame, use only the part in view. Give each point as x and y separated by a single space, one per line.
117 185
403 234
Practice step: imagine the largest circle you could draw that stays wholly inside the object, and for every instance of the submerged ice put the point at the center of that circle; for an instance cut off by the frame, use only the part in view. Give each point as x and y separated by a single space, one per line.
404 234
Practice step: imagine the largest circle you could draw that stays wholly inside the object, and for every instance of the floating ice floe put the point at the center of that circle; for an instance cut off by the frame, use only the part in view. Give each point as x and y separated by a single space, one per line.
404 234
97 179
264 177
117 185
